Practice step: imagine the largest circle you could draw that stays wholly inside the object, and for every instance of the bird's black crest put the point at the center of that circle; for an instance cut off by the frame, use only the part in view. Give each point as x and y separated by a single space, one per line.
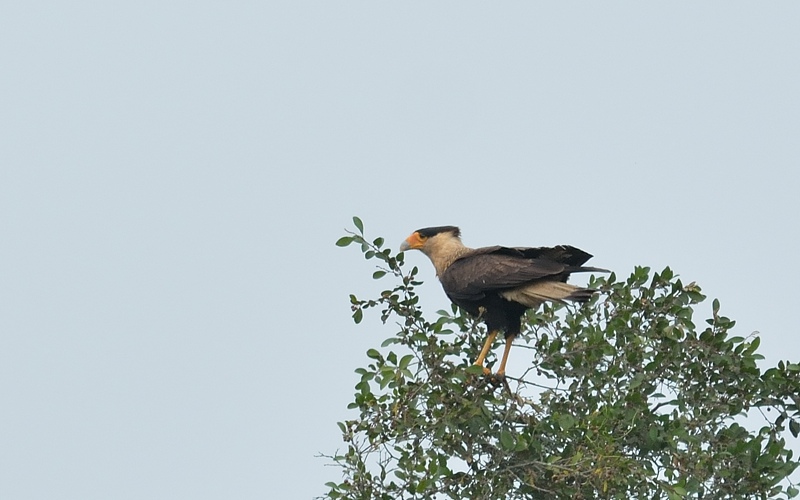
432 231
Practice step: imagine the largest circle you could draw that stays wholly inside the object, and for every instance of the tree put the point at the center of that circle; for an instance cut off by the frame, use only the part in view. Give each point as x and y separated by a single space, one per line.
625 397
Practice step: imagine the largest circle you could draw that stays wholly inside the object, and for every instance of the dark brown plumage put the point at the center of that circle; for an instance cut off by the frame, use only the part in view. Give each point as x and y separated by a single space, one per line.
500 283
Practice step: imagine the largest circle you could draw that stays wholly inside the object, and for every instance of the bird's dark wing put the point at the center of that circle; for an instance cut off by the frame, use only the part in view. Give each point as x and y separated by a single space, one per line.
497 268
564 254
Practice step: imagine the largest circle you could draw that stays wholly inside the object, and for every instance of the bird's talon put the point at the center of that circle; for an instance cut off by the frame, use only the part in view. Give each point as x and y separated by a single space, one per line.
497 379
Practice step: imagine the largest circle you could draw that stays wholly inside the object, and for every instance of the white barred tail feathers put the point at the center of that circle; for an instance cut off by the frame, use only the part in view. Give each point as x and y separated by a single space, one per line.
556 291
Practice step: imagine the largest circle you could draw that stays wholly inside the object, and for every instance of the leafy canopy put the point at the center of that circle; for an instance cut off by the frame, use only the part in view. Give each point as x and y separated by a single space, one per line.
624 397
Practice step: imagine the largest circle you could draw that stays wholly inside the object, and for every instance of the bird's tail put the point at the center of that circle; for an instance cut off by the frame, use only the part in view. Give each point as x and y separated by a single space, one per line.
581 295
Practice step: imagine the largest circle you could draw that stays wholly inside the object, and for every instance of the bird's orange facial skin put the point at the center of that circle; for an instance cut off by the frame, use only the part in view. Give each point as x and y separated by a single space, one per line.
415 241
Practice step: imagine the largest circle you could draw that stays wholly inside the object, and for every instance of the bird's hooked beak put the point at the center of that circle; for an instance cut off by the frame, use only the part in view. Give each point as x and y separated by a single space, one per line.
413 242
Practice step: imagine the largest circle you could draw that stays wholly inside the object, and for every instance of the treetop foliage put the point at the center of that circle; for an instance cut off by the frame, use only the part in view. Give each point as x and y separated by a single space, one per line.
624 397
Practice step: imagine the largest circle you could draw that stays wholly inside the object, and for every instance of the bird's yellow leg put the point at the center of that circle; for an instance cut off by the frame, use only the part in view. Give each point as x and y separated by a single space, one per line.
486 346
501 372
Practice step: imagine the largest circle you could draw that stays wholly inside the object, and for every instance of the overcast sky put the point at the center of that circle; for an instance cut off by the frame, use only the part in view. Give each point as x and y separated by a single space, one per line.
174 320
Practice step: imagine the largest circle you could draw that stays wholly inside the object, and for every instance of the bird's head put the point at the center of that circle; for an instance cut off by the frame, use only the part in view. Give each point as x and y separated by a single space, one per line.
427 238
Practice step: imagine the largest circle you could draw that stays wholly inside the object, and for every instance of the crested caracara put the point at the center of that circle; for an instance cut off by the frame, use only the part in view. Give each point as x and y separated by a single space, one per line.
500 283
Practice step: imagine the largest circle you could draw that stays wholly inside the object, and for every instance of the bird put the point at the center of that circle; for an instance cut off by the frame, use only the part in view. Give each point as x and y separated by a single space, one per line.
498 284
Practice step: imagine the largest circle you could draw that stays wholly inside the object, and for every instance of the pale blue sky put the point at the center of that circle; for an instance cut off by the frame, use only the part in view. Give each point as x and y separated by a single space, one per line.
174 320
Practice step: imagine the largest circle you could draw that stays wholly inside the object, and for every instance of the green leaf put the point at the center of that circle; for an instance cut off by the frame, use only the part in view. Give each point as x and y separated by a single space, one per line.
566 421
794 427
378 274
507 441
374 354
344 241
474 370
390 341
753 345
359 224
378 242
636 381
358 315
405 360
